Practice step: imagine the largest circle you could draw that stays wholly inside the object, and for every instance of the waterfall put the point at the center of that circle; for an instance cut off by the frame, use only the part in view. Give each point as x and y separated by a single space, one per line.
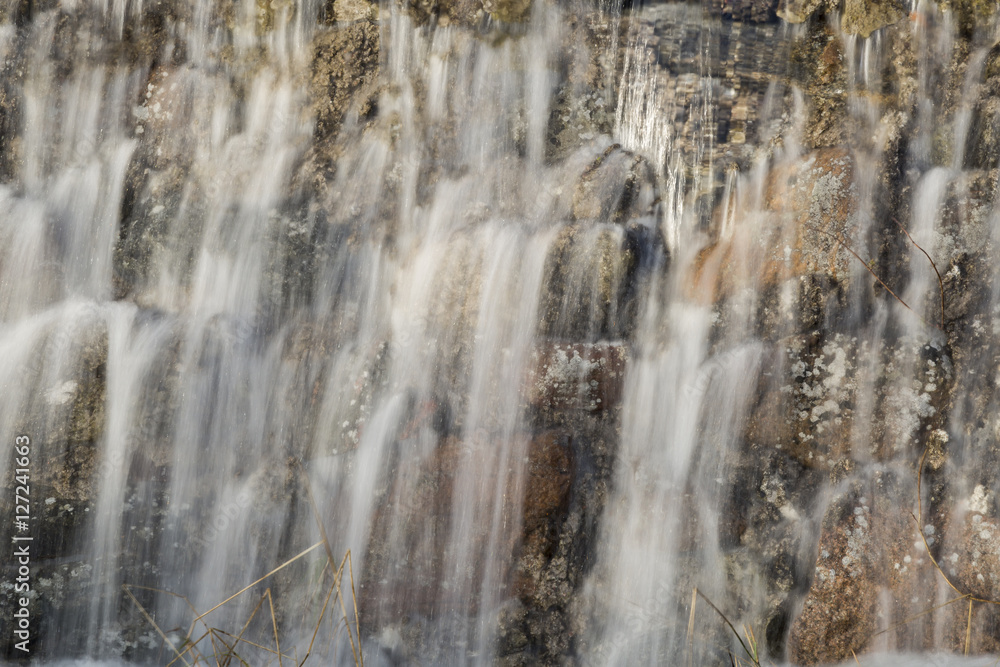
513 332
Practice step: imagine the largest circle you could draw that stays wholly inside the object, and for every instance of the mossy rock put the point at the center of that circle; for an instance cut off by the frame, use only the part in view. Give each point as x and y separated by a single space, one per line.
345 60
863 17
508 11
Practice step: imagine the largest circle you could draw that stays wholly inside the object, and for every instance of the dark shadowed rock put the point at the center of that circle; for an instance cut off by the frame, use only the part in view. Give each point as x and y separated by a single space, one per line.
592 275
617 186
345 61
800 11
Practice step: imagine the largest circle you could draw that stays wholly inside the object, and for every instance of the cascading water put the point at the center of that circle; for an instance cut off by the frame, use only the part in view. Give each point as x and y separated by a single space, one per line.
595 335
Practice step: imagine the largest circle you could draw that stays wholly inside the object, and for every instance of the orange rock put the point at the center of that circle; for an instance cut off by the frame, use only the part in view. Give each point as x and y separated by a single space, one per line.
810 210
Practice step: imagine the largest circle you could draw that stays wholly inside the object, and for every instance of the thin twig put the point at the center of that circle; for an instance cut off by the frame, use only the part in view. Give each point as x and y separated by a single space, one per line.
354 599
193 609
247 624
315 509
250 643
840 239
920 510
319 622
190 647
933 266
340 597
231 650
355 651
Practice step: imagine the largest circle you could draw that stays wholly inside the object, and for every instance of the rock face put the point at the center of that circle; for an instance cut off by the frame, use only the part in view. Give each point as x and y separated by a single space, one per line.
617 186
859 547
359 227
345 60
863 17
810 218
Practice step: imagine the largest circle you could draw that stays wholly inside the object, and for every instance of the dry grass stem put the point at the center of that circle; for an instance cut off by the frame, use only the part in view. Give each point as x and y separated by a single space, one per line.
690 632
249 586
731 626
150 620
968 629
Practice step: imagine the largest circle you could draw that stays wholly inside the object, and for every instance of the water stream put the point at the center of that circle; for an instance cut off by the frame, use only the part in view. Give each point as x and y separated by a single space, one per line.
565 328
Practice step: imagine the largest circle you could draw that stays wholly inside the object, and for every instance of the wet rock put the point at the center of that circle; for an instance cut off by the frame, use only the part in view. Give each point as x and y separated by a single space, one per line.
810 407
174 97
818 66
983 142
11 102
592 276
616 187
64 419
860 537
973 567
345 61
800 11
415 521
508 11
961 249
546 499
418 518
750 11
463 12
576 376
798 242
154 200
348 11
971 15
808 412
818 194
863 17
583 108
161 210
567 491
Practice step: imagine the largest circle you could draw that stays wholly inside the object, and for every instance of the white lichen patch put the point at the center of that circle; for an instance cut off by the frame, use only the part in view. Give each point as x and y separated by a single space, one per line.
822 391
980 562
915 375
980 500
859 541
61 393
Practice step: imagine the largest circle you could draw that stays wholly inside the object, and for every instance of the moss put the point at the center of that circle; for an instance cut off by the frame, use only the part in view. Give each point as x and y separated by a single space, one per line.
863 17
345 60
508 11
